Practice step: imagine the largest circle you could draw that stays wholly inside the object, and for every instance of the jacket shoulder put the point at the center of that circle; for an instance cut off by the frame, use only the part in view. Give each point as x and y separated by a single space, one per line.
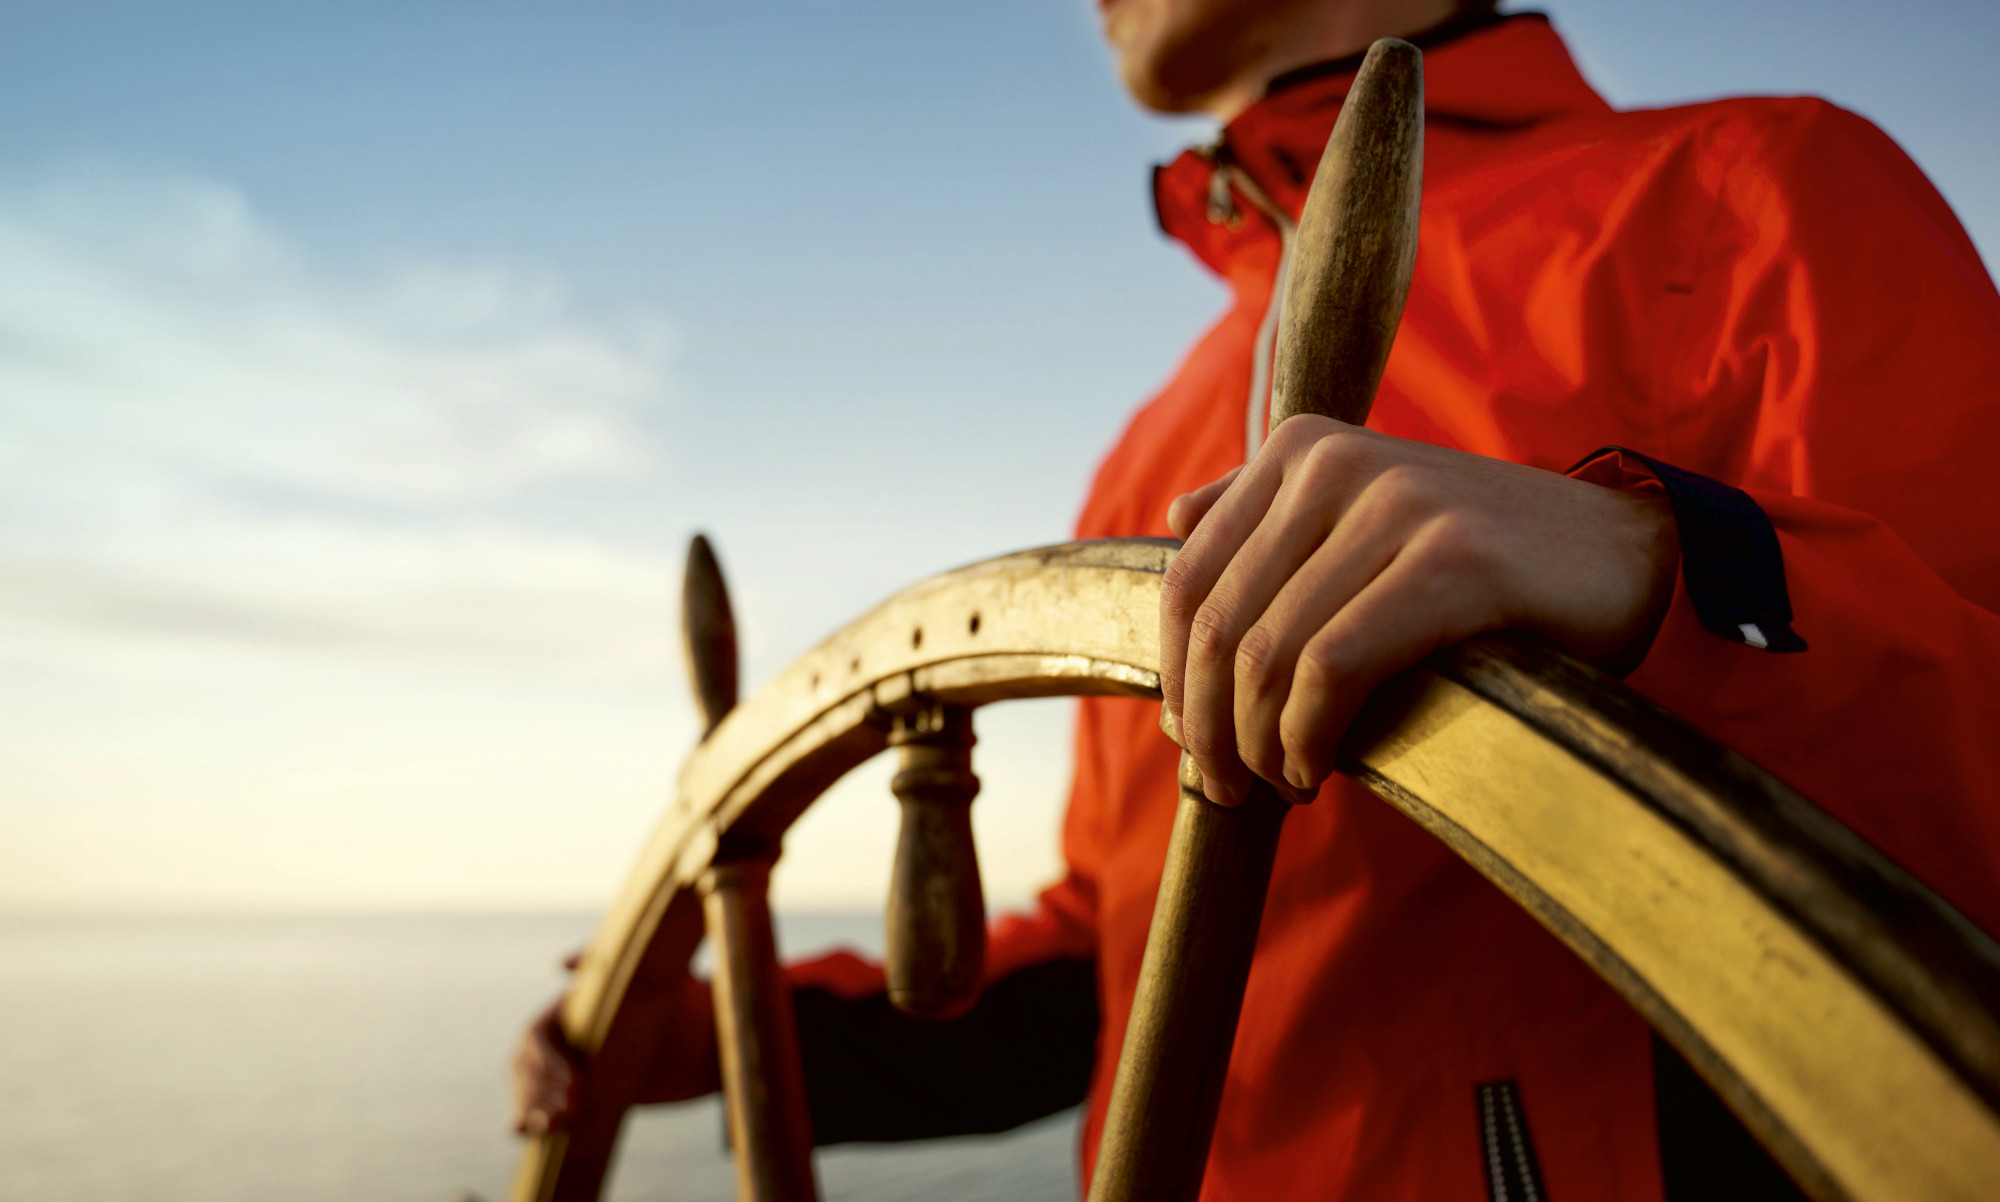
1780 140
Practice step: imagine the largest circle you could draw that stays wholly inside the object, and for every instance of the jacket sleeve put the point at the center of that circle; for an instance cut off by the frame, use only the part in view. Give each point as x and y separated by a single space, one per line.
1024 1051
1838 359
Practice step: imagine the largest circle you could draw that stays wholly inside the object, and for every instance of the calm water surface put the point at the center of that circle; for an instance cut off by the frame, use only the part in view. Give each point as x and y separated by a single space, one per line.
170 1059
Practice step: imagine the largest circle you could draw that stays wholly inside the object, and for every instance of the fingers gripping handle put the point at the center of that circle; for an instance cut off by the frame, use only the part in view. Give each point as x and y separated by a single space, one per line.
1355 250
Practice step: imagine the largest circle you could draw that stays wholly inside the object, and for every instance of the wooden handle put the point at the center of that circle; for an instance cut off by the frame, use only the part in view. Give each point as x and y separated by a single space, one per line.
1176 1054
708 635
1352 258
1356 245
937 906
763 1082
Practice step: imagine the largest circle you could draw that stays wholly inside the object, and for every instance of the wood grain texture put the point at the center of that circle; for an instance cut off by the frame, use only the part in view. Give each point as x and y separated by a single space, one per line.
1356 245
936 917
1921 957
1352 256
1845 1020
1198 954
708 635
1699 948
770 1125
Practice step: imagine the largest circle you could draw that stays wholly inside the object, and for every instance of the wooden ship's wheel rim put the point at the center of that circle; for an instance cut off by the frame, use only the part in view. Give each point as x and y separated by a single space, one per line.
1846 1014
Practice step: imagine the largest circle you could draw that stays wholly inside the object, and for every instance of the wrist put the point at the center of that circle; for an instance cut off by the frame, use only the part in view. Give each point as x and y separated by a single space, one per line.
1654 540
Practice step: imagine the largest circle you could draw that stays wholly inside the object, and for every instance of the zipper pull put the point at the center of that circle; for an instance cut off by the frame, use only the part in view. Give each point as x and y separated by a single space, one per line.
1221 201
1222 208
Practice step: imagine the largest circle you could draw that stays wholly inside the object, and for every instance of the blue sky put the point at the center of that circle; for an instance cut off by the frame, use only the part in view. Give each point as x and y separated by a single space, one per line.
365 366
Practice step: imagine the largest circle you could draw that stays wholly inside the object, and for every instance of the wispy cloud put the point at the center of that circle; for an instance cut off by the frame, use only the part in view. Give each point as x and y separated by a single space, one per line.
205 434
317 591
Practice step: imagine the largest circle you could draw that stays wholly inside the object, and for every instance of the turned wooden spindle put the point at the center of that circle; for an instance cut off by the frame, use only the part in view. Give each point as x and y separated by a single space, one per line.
758 1043
764 1086
937 908
1352 258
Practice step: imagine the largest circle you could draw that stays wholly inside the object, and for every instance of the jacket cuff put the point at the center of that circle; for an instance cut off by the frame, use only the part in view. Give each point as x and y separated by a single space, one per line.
1731 565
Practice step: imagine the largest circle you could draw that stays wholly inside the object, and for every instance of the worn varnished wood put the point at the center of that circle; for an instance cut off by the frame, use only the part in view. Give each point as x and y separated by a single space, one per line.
1175 1058
756 1041
1722 905
1932 976
1353 253
936 916
769 1124
1058 621
1356 245
708 634
1845 1012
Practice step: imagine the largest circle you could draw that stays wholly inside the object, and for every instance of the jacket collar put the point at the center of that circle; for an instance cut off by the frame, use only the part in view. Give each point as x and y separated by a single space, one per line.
1483 75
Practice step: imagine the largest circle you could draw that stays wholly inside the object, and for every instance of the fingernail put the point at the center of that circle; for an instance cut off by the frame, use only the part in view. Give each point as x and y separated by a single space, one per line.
1295 776
1218 792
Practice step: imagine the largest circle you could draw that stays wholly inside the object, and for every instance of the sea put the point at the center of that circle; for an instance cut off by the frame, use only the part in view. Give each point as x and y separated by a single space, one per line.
308 1059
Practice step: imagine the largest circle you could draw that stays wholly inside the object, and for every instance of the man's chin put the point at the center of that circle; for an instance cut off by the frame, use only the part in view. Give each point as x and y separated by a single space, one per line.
1164 85
1168 63
1146 91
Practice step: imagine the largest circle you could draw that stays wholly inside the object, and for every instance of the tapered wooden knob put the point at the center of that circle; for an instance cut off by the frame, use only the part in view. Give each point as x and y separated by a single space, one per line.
762 1080
937 907
708 635
1356 245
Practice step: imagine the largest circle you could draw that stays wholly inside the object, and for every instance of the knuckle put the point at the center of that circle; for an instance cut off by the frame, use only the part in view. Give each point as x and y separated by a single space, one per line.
1257 659
1330 659
1208 633
1179 586
1404 488
1205 745
1333 455
1459 544
1296 434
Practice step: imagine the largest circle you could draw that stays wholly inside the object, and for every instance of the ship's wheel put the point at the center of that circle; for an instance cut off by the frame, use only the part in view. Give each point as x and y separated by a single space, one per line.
1846 1014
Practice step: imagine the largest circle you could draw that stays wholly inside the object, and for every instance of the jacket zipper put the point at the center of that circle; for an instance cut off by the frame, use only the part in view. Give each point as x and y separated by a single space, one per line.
1513 1172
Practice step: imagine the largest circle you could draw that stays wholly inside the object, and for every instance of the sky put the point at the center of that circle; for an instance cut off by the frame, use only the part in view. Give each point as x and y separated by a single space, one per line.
365 367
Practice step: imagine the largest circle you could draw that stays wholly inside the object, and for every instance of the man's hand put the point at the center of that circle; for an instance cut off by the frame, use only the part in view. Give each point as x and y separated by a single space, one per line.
549 1074
1339 556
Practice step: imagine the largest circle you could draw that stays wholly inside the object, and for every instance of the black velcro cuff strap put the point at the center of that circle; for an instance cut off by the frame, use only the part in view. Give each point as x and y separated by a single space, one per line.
1730 559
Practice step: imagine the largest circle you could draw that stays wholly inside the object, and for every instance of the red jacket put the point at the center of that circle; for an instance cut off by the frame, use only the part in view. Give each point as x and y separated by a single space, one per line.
1764 291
